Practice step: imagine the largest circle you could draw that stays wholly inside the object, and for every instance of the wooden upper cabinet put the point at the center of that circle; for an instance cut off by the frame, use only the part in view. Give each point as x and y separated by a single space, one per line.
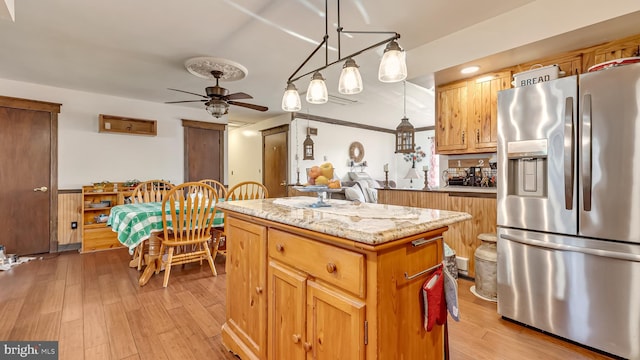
627 47
451 118
483 110
467 114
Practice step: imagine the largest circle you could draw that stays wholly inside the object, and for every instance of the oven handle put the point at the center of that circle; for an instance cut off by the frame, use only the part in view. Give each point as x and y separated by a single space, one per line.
563 247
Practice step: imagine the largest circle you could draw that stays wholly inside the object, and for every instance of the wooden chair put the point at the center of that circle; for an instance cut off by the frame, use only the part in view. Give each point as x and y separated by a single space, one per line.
190 209
217 186
144 192
222 194
150 191
247 190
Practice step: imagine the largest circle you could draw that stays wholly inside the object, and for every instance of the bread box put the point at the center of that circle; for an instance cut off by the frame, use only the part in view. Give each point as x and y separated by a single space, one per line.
537 75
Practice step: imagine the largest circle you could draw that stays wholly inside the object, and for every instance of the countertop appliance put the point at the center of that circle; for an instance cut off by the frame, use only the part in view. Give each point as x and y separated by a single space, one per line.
569 208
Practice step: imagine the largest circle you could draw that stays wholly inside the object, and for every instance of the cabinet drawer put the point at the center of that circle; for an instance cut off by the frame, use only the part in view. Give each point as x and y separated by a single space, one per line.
340 267
99 239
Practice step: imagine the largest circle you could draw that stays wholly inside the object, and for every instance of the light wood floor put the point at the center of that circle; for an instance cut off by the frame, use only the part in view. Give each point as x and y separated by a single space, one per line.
93 306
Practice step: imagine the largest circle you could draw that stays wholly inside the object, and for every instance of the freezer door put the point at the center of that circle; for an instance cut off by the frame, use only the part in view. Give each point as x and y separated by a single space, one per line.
537 141
610 154
580 289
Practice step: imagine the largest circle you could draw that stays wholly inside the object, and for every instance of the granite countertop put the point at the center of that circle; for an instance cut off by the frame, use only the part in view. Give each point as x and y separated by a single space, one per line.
362 222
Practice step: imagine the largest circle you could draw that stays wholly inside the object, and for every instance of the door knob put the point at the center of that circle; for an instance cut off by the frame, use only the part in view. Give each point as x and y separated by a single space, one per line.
296 338
284 183
42 188
307 346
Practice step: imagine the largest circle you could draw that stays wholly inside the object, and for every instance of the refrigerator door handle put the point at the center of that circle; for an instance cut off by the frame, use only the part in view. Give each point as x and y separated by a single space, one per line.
569 150
564 247
586 152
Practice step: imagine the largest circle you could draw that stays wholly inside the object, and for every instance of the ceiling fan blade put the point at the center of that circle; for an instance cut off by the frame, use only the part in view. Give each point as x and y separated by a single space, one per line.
238 95
188 92
184 101
250 106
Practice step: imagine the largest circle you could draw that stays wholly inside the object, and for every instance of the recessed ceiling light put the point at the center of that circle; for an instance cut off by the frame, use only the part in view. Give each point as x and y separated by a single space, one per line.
470 69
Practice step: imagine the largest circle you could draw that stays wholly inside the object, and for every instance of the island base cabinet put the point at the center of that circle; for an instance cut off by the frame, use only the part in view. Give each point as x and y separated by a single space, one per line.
309 320
400 313
244 331
324 297
287 313
335 324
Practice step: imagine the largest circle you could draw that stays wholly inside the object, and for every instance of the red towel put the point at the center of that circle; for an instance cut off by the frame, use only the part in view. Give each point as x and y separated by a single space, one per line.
435 307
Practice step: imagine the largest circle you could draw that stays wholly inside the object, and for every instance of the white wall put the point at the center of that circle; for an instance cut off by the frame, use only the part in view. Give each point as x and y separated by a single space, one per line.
86 156
332 145
245 150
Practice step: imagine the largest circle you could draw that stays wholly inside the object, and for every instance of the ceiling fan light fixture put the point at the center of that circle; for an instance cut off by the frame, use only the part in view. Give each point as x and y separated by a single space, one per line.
217 108
350 80
393 66
291 99
317 92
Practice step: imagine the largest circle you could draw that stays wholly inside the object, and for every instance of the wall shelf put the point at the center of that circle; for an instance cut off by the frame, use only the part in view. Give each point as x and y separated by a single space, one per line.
124 125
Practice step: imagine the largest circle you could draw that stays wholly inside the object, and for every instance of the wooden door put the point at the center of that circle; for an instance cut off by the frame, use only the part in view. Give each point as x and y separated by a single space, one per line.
203 151
483 110
275 155
451 118
335 324
286 329
247 273
28 176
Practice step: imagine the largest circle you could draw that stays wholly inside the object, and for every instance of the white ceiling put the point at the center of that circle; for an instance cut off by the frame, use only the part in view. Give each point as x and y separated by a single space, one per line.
137 49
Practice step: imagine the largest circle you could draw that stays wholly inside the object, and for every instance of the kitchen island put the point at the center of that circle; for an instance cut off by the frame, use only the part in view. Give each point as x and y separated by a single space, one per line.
338 282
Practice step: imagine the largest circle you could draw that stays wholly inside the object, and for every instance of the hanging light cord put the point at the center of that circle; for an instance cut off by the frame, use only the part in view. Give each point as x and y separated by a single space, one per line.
404 84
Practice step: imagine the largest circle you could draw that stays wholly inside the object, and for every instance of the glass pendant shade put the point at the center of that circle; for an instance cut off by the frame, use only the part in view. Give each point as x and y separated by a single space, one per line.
217 108
350 80
393 66
317 92
405 133
291 99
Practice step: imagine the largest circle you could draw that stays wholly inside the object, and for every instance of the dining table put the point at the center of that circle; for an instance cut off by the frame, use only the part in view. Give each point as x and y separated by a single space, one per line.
137 222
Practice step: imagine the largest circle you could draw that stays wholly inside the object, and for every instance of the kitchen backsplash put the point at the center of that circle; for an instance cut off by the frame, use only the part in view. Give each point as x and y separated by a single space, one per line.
478 172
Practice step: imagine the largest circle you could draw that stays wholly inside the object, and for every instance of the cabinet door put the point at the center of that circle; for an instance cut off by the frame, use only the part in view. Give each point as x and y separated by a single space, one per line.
246 273
623 48
335 324
451 118
483 110
287 304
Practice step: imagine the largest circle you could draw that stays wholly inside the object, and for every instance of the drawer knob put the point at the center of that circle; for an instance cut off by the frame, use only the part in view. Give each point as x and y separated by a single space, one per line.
307 347
331 268
279 247
296 338
258 289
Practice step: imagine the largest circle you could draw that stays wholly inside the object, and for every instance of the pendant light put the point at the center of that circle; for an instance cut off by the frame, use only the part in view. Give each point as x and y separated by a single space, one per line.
405 132
350 79
307 147
291 99
317 92
393 66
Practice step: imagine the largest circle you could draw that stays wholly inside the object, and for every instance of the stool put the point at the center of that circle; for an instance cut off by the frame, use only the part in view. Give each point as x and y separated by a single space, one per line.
486 266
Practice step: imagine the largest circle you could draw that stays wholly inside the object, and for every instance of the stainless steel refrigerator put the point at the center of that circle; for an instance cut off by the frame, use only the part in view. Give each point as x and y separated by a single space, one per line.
569 208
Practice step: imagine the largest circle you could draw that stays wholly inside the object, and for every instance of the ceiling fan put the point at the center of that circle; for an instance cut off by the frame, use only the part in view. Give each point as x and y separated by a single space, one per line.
218 99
